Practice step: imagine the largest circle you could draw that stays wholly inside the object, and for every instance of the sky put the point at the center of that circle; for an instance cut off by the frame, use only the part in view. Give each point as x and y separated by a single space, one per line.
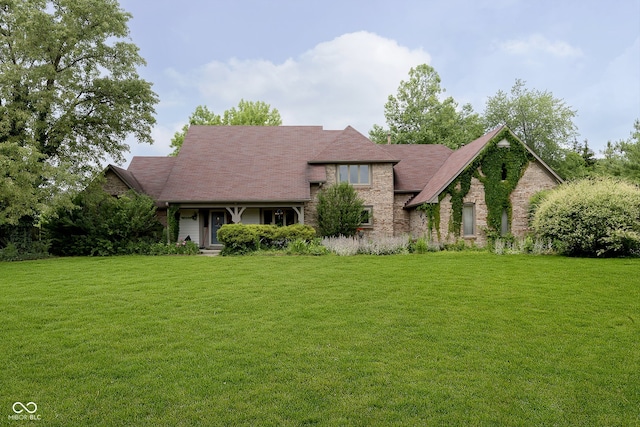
335 63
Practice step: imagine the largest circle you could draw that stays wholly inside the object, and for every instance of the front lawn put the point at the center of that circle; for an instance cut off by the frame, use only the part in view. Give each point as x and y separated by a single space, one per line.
436 339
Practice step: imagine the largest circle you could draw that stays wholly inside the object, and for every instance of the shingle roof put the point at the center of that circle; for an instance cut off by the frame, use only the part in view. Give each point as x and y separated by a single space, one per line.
151 173
418 165
351 146
451 168
245 164
277 164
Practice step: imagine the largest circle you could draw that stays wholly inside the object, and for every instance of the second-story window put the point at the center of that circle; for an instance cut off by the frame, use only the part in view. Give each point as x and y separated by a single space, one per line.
354 174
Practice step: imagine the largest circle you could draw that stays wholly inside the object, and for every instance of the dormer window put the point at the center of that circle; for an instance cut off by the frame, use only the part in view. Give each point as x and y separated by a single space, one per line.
354 174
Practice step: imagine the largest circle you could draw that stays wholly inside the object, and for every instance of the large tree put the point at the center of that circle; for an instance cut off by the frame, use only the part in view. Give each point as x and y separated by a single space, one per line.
70 95
248 113
540 120
417 115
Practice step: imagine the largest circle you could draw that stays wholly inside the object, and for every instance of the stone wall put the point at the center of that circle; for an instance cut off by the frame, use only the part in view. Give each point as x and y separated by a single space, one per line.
113 185
535 179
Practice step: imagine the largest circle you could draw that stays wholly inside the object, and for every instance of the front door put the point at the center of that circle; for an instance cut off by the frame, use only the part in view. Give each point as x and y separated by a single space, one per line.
217 221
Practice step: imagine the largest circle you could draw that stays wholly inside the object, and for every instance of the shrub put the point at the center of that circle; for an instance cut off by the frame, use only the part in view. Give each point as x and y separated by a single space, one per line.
422 245
99 224
339 211
241 238
306 247
591 217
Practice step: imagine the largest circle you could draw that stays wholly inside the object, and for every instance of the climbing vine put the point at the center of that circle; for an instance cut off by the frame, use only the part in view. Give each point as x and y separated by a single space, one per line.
502 168
173 222
432 211
499 169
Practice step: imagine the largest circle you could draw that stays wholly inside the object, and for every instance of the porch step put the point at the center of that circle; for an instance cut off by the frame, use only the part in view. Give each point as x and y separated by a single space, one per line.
210 252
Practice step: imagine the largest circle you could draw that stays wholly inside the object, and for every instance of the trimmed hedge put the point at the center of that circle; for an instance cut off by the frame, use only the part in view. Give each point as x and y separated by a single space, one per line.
241 238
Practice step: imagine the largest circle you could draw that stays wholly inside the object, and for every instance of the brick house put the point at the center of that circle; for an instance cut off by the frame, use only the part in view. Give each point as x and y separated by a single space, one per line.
272 175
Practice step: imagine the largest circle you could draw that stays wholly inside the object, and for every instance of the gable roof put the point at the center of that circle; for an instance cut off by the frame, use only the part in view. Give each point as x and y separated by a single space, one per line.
350 146
419 164
451 168
239 164
246 164
458 161
126 176
151 173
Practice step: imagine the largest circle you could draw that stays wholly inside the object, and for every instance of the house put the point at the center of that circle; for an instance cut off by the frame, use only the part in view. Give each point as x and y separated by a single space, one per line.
272 175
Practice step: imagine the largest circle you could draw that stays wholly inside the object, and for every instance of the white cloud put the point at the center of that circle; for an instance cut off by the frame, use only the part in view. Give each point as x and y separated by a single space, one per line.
537 43
345 81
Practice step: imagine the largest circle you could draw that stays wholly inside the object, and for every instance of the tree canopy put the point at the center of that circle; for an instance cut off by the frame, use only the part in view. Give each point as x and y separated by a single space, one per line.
70 95
622 158
540 120
417 115
248 113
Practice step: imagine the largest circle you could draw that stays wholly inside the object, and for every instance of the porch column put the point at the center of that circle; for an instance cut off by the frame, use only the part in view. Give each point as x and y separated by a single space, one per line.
236 213
300 211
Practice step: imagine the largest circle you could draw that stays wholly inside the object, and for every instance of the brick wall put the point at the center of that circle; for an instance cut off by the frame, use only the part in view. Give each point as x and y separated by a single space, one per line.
534 179
401 216
378 195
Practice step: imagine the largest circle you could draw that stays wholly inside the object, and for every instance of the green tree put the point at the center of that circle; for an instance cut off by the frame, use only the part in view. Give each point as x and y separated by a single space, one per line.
541 121
248 113
69 95
339 210
578 162
622 159
418 116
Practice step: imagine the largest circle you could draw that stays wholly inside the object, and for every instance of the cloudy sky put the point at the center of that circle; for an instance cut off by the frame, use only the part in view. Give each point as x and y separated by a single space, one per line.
334 63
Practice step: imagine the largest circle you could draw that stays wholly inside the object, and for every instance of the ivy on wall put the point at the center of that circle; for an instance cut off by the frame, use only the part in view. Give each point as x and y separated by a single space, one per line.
173 222
432 211
502 168
499 169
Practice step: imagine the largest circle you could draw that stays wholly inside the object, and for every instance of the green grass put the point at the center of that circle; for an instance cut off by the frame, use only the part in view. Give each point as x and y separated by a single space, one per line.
435 339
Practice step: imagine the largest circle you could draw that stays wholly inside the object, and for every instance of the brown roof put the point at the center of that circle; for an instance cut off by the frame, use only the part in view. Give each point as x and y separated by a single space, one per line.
151 173
245 164
278 163
350 146
451 168
418 165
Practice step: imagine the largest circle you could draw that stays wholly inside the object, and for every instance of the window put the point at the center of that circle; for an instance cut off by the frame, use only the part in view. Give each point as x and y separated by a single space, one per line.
279 216
469 220
504 225
354 174
367 216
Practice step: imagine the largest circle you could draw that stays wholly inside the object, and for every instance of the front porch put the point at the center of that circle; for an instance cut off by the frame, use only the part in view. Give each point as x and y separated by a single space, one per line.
200 224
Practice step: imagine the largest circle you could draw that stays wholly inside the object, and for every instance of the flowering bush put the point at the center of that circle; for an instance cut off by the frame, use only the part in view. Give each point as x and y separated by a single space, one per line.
376 246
